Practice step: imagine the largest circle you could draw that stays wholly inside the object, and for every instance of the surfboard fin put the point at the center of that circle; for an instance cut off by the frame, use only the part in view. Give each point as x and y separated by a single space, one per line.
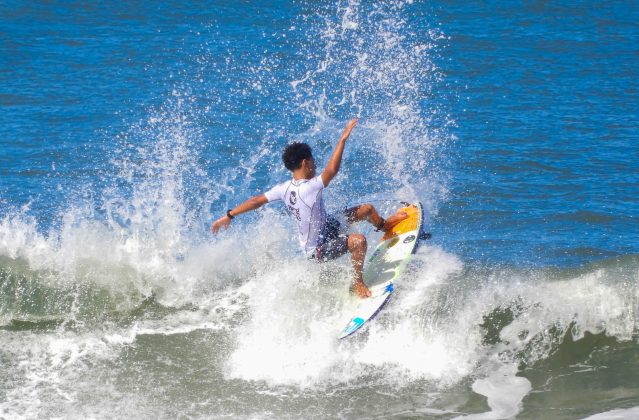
424 236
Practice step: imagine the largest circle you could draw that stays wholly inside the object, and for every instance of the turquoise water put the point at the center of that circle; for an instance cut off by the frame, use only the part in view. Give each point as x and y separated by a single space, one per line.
126 129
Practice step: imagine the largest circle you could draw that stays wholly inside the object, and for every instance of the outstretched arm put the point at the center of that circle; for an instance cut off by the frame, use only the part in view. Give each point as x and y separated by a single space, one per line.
251 204
332 167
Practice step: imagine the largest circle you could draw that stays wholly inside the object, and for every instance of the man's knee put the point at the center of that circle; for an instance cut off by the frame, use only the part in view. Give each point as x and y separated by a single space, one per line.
366 209
356 241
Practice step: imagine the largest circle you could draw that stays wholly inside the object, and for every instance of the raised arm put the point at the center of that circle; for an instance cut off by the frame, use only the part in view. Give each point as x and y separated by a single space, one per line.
251 204
334 163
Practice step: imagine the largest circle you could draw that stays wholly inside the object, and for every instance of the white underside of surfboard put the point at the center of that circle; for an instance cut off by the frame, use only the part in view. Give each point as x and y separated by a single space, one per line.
383 267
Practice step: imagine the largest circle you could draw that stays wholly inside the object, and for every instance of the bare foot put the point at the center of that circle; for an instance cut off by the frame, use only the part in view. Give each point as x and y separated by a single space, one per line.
394 220
361 290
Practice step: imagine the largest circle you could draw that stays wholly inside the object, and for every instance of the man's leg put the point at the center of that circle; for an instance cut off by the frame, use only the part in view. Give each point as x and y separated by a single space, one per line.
357 247
369 213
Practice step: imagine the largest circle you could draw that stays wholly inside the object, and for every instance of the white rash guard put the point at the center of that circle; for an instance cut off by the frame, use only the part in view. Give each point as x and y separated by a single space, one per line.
303 199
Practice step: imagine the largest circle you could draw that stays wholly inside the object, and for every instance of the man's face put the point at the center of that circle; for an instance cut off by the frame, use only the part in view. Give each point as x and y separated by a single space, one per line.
310 167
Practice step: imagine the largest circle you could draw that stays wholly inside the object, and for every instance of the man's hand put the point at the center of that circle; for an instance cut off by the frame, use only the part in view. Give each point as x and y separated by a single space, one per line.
222 222
334 163
349 127
250 204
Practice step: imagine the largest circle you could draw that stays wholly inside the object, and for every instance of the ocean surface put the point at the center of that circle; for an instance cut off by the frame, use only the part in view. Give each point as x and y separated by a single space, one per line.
126 128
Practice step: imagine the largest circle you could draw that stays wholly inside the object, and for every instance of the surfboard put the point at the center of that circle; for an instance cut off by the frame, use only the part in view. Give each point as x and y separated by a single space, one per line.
386 264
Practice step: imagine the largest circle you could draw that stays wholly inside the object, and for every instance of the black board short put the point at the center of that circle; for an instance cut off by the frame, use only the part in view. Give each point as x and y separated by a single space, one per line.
333 244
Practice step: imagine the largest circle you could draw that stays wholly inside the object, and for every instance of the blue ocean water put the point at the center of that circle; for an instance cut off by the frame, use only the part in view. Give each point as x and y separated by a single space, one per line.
127 128
547 130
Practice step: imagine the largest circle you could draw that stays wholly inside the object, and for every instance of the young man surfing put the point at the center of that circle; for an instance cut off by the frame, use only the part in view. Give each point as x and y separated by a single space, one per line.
319 234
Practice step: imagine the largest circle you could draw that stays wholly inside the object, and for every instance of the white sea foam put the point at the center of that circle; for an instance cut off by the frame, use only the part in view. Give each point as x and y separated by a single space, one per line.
47 369
291 337
619 414
504 392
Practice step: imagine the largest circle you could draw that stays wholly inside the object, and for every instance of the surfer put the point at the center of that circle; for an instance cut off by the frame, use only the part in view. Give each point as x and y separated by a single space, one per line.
319 234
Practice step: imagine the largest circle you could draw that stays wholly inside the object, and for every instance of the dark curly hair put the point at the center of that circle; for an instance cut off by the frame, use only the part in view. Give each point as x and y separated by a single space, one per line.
294 154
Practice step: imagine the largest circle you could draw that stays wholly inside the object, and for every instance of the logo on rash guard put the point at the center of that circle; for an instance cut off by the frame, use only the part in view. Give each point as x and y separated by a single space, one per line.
295 212
293 197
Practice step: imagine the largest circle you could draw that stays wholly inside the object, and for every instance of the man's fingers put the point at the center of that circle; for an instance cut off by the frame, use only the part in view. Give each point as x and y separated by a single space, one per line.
215 228
219 224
